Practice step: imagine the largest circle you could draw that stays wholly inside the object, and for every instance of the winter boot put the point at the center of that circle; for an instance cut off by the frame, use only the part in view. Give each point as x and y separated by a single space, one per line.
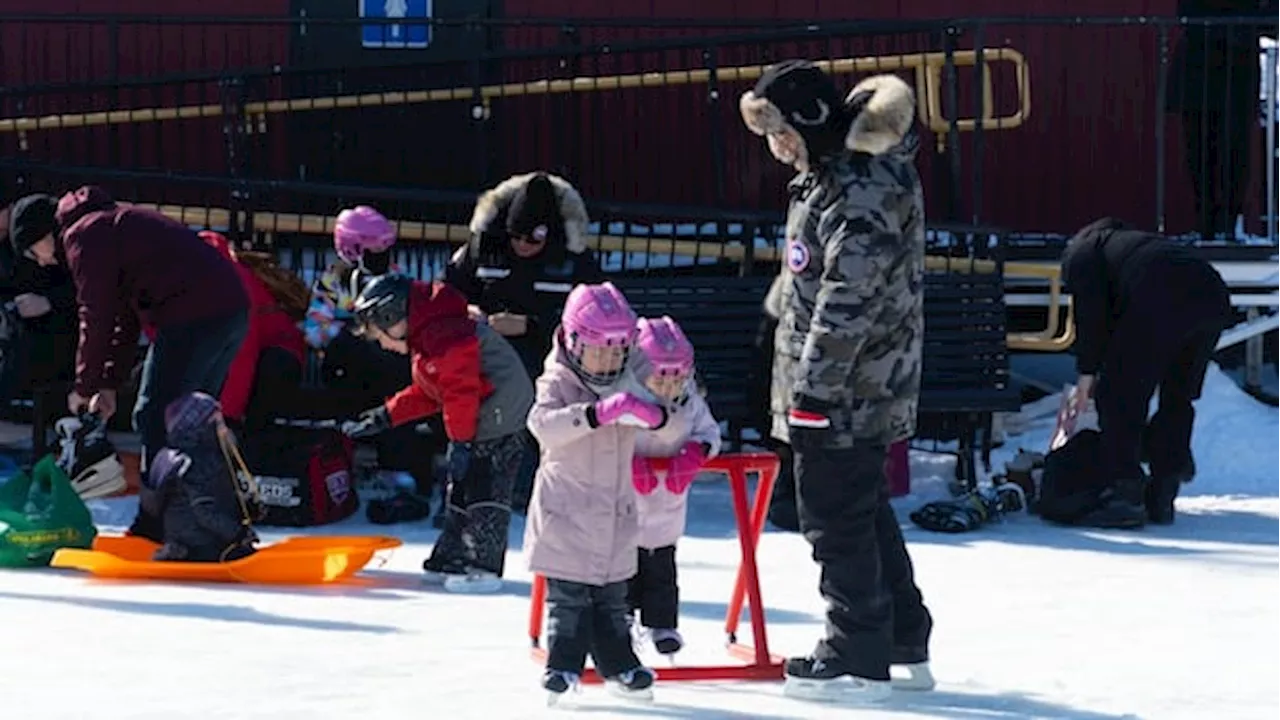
812 679
1163 490
1123 507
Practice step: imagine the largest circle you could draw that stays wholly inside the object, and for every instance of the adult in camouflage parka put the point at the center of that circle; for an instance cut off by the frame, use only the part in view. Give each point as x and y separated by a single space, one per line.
847 356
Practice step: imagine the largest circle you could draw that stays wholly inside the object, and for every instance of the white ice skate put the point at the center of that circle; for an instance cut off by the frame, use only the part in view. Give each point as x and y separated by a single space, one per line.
919 678
813 679
845 689
473 582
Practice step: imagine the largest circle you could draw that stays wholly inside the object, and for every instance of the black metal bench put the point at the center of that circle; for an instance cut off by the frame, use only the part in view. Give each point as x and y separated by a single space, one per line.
966 364
965 378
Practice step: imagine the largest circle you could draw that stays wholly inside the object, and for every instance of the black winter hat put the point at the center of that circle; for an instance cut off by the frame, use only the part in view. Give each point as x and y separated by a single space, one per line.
31 218
797 94
535 210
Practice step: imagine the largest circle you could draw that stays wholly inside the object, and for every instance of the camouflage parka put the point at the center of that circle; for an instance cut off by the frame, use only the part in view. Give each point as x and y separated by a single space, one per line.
849 294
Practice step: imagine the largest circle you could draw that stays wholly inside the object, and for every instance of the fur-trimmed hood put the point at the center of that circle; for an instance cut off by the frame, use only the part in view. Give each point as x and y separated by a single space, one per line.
882 109
492 207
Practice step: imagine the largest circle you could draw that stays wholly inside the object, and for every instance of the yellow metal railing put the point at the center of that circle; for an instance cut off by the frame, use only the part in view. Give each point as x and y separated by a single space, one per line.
927 68
1052 338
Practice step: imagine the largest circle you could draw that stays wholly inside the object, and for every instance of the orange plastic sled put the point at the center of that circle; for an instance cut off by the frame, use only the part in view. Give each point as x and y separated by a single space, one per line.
306 560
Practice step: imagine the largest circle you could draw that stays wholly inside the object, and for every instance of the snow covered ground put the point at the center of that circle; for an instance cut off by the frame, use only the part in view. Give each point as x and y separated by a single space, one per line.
1032 621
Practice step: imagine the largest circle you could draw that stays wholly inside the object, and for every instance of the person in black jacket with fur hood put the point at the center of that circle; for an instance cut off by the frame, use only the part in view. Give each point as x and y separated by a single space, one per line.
528 249
1148 314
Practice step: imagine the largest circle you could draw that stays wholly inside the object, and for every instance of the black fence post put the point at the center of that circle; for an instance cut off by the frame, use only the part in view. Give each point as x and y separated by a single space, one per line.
1162 100
234 128
480 105
979 85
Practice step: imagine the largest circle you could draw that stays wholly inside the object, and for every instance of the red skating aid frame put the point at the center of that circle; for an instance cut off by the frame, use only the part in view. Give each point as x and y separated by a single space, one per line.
761 665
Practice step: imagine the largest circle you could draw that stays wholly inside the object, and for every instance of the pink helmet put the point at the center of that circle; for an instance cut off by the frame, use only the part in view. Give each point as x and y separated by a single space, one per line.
665 346
362 229
596 315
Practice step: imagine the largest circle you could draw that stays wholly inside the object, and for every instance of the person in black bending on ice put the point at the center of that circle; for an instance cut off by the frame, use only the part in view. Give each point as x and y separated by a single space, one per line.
1148 314
528 249
192 484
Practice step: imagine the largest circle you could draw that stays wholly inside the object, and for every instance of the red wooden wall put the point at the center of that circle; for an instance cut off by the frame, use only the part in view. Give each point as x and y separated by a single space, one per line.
1089 148
54 52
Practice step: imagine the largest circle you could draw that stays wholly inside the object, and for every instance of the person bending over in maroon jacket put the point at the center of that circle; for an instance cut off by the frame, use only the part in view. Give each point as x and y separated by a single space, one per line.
132 266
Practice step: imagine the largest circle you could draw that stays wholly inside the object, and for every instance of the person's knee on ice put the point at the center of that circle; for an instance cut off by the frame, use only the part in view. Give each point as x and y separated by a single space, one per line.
847 346
690 436
1148 315
582 522
472 376
193 486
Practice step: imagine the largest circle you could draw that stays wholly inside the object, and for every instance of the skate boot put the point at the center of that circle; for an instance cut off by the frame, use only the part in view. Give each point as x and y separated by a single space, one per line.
809 678
666 641
634 684
88 457
557 683
437 570
1122 507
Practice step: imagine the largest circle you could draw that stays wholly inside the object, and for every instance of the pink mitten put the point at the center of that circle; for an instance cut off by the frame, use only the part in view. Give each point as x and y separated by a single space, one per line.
685 466
626 409
642 476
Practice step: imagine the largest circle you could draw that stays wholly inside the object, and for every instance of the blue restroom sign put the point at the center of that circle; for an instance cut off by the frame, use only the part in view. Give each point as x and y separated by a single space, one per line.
413 33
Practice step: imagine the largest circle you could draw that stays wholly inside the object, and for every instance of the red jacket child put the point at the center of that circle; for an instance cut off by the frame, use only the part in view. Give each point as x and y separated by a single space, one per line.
269 327
461 369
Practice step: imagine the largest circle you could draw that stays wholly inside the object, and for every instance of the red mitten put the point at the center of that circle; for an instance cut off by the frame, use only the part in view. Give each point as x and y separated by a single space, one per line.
685 466
642 476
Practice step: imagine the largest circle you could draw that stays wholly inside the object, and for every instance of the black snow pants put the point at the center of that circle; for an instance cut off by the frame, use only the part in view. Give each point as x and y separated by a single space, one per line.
654 590
478 512
1164 339
589 619
875 613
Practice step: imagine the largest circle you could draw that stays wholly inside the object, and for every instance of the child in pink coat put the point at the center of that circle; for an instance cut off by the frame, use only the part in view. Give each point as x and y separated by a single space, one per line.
690 436
582 530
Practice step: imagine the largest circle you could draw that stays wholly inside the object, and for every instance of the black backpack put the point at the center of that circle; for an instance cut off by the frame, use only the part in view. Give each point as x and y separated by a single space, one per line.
1073 483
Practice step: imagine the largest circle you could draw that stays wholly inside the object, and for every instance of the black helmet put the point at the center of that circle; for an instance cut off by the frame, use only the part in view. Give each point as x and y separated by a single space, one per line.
383 302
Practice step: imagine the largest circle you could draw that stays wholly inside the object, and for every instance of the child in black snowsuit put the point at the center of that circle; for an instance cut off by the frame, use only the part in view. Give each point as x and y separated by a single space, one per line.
207 511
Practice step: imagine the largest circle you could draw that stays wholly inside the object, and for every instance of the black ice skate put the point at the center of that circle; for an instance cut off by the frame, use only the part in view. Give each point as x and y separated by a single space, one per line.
809 678
634 684
557 683
666 641
88 457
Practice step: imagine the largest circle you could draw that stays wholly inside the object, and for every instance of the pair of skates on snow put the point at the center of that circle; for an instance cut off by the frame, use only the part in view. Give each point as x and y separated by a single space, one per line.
636 684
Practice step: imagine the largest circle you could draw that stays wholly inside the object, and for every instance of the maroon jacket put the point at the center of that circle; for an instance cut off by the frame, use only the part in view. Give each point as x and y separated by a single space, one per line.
134 266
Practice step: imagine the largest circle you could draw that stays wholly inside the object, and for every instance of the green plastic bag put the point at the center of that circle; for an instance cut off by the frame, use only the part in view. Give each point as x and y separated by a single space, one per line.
40 513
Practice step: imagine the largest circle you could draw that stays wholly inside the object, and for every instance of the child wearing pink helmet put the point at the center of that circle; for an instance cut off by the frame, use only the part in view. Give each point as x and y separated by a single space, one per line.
690 436
582 531
362 239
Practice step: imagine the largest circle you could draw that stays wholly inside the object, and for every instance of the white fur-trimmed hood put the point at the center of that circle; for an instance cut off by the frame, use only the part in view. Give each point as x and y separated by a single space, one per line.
573 210
886 118
883 123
